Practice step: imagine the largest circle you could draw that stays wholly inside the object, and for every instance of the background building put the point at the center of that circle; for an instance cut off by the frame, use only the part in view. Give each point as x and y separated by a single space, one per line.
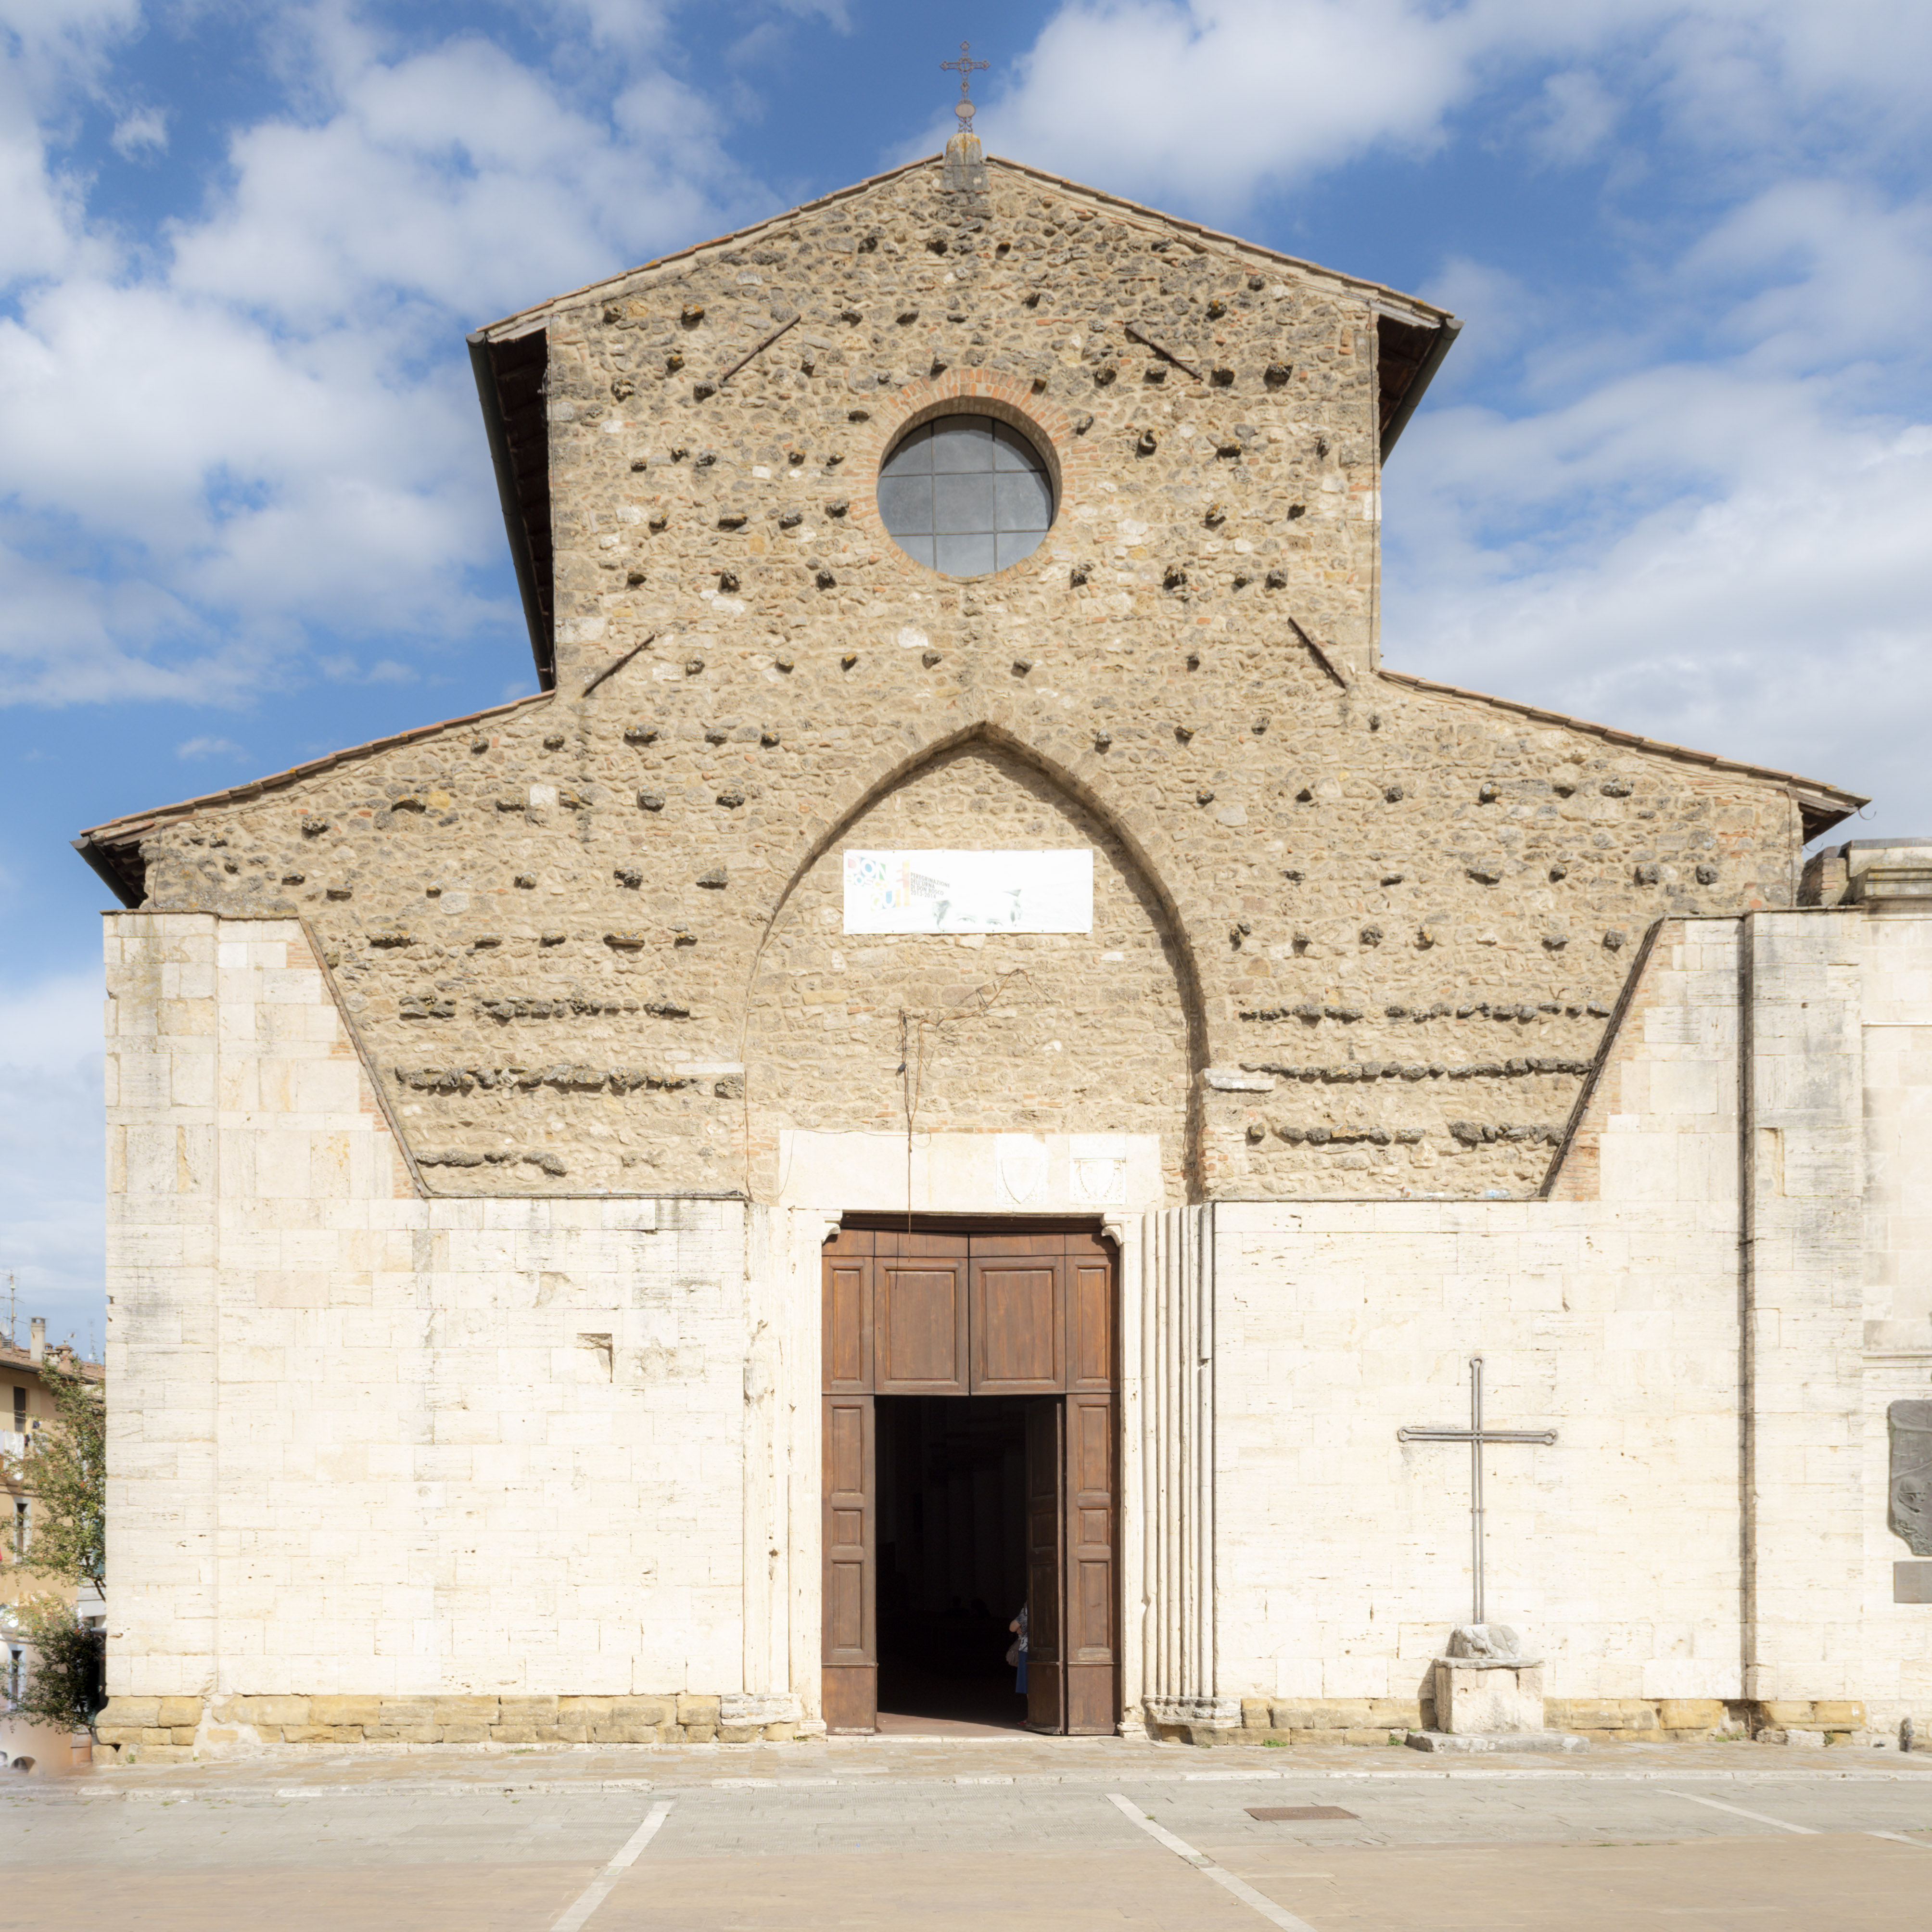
30 1409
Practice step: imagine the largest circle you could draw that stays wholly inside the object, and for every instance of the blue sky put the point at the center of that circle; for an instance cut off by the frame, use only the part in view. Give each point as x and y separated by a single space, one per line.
1677 475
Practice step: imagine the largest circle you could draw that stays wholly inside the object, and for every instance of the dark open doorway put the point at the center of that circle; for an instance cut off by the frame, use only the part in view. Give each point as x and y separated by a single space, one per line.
952 1557
1015 1332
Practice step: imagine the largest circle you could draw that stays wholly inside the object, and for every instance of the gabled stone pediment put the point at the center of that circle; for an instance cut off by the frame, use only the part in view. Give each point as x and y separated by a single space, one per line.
859 282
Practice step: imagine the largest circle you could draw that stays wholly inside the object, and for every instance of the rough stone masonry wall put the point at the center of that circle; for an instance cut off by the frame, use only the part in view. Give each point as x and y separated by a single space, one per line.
1039 1033
1407 913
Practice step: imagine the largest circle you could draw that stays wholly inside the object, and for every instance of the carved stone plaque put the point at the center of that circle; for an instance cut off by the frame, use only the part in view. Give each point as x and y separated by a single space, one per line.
1909 1497
1911 1582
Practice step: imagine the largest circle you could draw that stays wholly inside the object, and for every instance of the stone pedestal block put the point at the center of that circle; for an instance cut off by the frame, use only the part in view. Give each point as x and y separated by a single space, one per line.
1474 1696
1489 1696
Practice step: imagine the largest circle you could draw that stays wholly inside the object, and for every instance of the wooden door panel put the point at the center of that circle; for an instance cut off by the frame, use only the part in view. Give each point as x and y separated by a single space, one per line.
1090 1450
849 1651
919 1333
1090 1643
846 1361
1019 1325
1045 1543
919 1314
1089 1296
848 1326
1090 1604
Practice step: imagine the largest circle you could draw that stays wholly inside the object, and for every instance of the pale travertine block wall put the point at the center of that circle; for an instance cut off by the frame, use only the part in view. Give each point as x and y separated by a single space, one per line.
1805 1501
1897 1276
376 1476
1343 1555
367 1442
1713 1310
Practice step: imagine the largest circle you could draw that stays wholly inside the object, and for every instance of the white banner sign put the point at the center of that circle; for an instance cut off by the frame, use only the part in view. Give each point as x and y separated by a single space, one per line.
970 892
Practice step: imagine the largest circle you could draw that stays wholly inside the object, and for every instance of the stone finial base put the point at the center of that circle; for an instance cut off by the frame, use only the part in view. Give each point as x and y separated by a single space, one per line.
1489 1697
1482 1696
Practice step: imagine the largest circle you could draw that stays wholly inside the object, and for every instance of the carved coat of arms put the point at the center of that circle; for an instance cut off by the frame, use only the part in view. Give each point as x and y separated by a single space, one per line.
1021 1160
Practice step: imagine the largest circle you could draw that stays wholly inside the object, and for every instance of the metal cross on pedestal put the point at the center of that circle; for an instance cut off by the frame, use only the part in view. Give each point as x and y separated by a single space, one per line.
1476 1435
965 67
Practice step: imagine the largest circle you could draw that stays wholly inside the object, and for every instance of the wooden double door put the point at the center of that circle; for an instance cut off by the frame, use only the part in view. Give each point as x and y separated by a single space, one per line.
996 1313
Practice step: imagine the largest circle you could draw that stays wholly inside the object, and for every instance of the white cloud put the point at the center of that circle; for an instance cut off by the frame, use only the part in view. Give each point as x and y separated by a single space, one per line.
343 669
267 425
457 177
1828 270
209 747
1213 103
51 1151
1785 622
1575 115
142 133
1728 554
1214 100
1498 311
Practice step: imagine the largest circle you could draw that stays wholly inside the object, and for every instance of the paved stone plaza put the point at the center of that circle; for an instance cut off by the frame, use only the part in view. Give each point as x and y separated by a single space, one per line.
1014 1832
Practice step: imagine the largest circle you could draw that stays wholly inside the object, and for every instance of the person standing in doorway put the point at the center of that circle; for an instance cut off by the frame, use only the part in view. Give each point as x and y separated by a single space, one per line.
1016 1653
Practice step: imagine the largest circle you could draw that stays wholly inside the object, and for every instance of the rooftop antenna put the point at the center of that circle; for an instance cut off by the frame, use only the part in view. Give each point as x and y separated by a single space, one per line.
12 1312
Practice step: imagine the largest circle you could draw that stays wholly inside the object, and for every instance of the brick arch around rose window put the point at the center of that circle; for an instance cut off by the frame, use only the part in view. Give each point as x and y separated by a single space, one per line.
1073 464
1102 1032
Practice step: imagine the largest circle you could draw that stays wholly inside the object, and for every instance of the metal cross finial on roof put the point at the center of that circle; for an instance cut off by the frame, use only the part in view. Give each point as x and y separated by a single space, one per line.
965 67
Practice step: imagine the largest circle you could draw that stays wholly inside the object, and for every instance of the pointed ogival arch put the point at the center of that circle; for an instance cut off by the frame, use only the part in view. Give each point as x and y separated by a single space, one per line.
1145 847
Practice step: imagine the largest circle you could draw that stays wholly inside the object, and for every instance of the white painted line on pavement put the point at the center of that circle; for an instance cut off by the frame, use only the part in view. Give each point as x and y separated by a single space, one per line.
1207 1868
598 1889
1899 1838
1738 1811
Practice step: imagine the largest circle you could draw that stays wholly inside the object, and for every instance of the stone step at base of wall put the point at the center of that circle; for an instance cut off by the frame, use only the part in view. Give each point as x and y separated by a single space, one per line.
165 1730
1481 1743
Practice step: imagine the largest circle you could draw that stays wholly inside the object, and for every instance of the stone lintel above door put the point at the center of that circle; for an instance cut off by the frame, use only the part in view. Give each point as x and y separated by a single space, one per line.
971 1173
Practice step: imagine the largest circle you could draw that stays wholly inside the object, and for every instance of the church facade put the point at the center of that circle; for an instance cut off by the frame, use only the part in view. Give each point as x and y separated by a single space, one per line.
972 1046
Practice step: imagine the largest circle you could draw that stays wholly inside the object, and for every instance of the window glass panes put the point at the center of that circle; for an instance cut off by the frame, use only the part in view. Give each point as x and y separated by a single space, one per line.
965 496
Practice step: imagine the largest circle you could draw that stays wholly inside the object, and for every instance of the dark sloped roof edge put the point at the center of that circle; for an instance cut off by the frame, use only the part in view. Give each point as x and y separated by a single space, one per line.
543 645
114 849
1821 805
1447 330
128 886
